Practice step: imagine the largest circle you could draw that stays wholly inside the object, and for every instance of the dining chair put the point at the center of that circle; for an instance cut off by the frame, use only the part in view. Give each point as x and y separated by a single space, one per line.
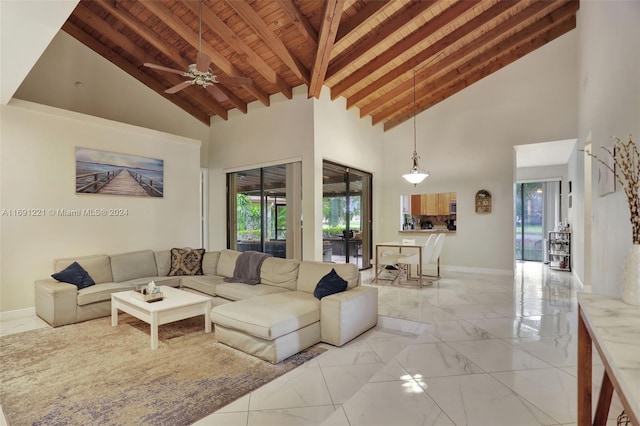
389 261
435 256
415 259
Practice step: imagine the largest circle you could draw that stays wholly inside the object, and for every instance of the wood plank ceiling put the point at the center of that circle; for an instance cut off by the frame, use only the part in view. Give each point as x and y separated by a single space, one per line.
368 51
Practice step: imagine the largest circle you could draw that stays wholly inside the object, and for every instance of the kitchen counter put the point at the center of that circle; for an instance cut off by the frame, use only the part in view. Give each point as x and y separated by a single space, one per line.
427 231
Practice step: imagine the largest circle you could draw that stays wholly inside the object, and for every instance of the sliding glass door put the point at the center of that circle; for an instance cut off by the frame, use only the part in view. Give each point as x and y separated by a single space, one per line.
262 206
537 212
346 211
529 212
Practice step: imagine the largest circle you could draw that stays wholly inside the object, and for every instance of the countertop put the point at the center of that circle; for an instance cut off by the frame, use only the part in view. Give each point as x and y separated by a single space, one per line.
614 327
427 231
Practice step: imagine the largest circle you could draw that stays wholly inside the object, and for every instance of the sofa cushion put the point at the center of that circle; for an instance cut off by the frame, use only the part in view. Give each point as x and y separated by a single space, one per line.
163 262
186 261
203 283
241 291
97 266
280 272
100 292
227 262
74 274
134 264
138 283
271 316
310 273
330 284
210 263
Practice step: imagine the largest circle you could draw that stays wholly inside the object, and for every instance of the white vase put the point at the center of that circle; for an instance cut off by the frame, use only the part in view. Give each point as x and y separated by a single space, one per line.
631 277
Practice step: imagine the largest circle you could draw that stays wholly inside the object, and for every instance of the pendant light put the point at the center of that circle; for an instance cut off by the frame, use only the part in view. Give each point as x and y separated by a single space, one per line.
416 174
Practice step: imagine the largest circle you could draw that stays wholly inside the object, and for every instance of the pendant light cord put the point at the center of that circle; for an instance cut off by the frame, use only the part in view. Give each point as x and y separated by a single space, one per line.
200 28
415 151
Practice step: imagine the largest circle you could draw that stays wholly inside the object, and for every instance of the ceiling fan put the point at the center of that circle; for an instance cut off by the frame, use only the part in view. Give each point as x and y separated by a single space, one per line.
200 73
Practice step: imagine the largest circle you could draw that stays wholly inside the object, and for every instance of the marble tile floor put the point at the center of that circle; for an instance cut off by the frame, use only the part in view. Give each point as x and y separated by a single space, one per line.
470 350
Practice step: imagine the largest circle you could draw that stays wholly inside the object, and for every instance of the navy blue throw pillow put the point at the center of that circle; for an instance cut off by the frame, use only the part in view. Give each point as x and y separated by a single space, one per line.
330 284
75 274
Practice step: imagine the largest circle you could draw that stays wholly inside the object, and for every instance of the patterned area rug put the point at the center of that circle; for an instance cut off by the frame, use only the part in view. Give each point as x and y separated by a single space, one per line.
92 373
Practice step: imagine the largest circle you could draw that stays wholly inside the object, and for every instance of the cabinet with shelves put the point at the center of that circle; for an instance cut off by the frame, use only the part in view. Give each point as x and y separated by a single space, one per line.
559 251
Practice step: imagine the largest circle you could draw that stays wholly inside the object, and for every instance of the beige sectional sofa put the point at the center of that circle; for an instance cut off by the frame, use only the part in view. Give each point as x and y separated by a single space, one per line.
272 320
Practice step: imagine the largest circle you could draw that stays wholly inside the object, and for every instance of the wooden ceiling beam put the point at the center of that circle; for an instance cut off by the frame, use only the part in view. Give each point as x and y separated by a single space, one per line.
432 54
326 38
102 50
90 18
479 61
152 38
248 15
360 19
144 31
403 45
499 58
183 30
218 26
469 49
389 29
302 24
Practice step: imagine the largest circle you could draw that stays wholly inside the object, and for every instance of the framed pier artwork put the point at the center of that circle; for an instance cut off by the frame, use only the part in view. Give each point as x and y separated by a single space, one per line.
104 172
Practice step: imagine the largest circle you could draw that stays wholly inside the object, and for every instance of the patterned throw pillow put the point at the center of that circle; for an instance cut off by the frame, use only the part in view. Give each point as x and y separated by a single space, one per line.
186 261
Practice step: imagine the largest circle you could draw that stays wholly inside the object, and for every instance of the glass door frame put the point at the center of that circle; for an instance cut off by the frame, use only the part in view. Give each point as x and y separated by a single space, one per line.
363 239
282 189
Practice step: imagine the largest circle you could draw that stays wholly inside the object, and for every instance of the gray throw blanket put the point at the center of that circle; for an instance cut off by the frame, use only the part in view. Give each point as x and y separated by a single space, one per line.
247 268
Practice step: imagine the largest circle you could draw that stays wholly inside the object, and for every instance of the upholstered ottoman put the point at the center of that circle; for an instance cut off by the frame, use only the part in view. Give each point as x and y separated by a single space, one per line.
272 327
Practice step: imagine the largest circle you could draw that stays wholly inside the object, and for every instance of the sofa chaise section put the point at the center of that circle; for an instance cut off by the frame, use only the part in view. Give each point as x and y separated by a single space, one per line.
276 326
271 327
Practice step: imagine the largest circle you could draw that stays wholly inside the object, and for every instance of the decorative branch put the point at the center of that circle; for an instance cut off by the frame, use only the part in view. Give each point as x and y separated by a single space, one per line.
626 170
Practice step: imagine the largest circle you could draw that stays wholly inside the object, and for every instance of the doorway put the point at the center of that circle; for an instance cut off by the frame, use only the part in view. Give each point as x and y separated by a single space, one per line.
346 215
537 212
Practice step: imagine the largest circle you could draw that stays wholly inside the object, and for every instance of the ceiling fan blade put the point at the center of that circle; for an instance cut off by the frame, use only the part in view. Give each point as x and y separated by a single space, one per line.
234 81
217 93
179 87
161 68
202 62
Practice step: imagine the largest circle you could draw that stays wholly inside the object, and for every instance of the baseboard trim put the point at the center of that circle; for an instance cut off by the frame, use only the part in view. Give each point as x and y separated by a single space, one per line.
580 285
18 314
471 270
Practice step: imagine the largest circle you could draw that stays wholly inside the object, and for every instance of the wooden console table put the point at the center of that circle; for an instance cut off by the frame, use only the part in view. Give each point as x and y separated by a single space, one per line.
614 329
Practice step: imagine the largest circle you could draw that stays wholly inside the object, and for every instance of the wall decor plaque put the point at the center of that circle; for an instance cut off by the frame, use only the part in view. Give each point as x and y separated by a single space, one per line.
483 201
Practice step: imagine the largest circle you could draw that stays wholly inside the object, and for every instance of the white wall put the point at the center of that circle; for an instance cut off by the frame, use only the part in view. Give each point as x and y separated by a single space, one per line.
467 143
26 28
609 99
342 137
37 148
271 135
304 129
107 91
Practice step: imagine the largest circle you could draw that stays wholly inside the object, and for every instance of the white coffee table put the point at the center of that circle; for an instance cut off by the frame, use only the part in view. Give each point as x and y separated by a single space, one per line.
176 305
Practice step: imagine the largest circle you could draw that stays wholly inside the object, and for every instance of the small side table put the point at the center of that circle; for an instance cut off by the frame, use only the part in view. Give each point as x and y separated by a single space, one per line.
614 329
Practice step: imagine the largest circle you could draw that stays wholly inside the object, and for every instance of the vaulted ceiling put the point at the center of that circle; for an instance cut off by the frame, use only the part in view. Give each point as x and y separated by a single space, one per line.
390 59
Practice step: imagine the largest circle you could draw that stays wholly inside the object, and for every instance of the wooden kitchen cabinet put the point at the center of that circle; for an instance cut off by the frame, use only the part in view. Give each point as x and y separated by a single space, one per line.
416 205
430 207
444 200
432 204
